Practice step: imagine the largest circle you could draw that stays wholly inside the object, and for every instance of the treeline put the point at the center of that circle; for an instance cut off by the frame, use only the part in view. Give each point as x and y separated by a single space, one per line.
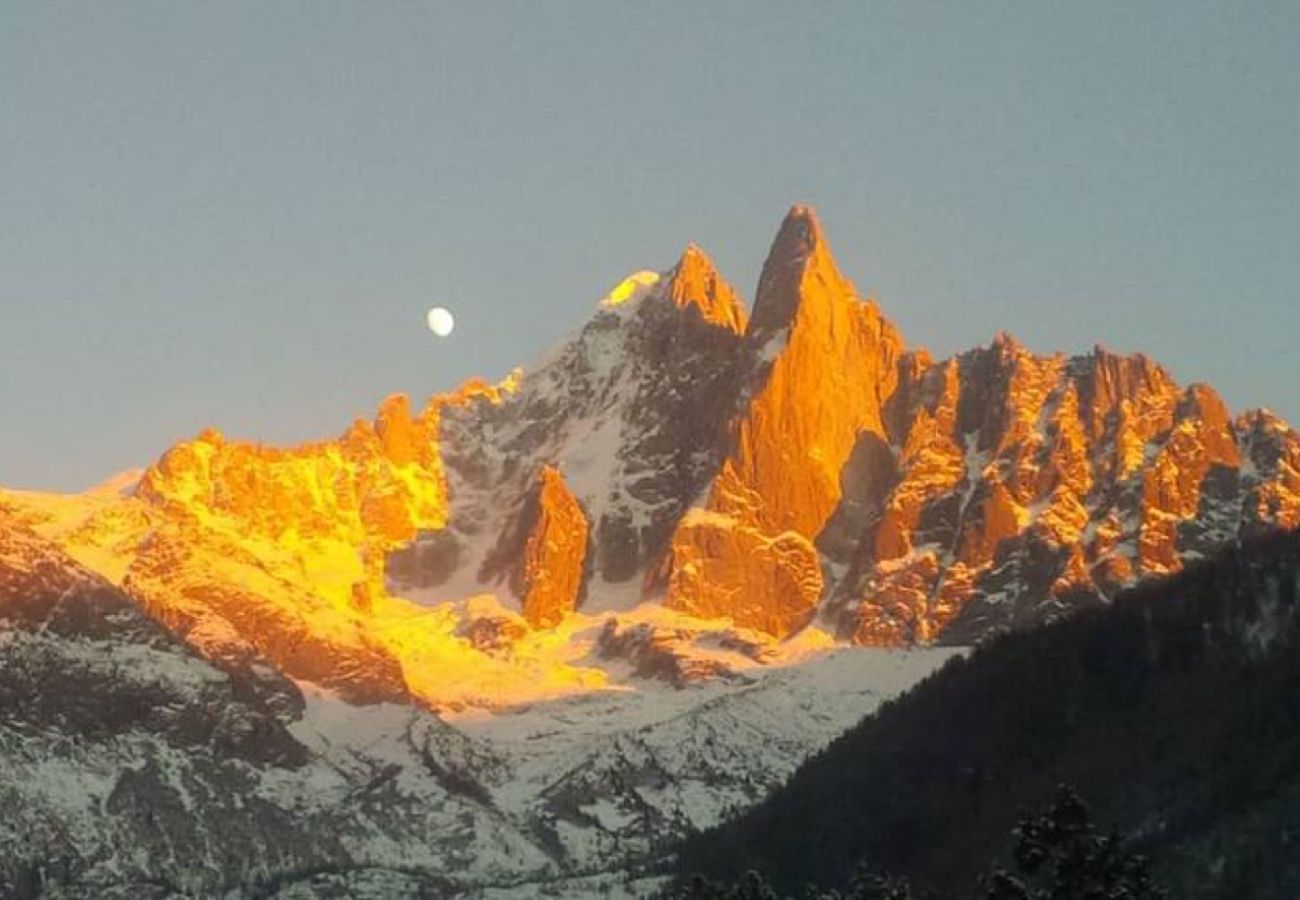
1175 710
1059 855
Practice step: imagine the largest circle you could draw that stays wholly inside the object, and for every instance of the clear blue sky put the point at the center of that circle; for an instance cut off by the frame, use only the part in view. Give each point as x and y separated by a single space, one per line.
236 214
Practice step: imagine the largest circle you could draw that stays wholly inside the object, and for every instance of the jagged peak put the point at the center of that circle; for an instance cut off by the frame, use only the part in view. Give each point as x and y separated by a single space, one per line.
695 281
549 578
1006 347
391 408
1203 401
1202 404
919 360
799 256
1105 355
1004 351
549 475
359 434
1263 419
1126 368
211 436
693 255
400 436
549 483
801 231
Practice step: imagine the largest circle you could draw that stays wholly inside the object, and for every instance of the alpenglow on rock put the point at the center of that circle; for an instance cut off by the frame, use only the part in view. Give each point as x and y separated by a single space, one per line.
821 364
698 469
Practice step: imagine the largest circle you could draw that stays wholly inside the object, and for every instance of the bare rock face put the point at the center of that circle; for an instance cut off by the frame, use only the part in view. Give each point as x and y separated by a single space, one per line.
798 465
833 369
659 653
426 562
1200 442
494 633
251 617
549 564
723 568
1029 485
822 366
633 409
675 427
272 559
696 282
382 480
1272 452
80 653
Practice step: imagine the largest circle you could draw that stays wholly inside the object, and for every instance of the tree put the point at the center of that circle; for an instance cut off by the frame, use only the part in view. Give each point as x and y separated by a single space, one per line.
868 885
1060 855
751 887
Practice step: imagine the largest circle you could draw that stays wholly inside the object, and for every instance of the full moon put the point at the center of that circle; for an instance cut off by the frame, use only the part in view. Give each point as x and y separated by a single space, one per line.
440 321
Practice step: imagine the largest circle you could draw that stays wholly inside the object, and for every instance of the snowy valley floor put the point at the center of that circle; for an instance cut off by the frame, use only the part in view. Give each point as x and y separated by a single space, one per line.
605 781
570 797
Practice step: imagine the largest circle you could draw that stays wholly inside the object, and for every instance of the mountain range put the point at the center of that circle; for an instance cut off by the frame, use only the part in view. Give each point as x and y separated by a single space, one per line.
540 628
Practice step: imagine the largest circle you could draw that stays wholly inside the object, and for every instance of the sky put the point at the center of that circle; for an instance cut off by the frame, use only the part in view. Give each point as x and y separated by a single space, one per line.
237 214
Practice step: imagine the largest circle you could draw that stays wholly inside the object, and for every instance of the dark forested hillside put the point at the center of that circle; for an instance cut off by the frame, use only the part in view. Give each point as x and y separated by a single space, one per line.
1175 711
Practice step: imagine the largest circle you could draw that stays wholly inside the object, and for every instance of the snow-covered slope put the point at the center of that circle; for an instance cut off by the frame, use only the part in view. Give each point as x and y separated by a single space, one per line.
132 767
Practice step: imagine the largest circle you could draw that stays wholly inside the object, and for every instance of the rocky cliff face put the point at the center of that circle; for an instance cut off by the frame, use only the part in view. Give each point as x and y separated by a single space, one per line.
548 554
1029 485
800 468
678 494
632 411
820 366
255 554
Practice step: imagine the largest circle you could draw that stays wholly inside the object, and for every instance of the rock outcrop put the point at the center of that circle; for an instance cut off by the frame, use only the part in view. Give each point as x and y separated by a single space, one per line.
796 466
695 282
547 557
1028 485
67 633
822 365
633 410
236 644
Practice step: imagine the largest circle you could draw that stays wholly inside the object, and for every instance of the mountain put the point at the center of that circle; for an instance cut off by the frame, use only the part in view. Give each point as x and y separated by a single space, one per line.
1174 711
134 767
681 504
755 476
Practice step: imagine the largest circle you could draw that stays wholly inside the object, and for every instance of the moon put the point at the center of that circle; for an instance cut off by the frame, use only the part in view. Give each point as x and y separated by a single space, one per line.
441 322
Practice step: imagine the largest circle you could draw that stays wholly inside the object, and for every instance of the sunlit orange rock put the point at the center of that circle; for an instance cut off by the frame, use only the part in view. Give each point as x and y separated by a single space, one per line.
696 282
237 612
723 568
1272 451
932 463
1176 478
824 364
992 519
254 552
1028 481
402 439
375 480
773 470
548 578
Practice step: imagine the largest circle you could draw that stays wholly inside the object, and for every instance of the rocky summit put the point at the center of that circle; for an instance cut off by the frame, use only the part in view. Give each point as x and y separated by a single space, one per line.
793 469
684 495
